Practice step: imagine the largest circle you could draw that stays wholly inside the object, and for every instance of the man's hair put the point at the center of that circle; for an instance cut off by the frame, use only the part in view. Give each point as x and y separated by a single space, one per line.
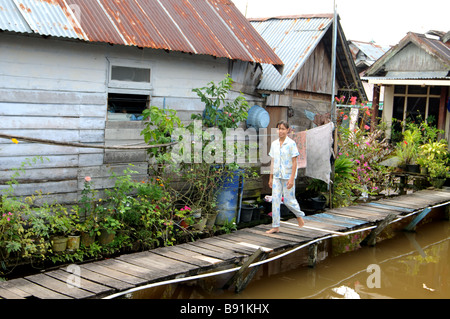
282 122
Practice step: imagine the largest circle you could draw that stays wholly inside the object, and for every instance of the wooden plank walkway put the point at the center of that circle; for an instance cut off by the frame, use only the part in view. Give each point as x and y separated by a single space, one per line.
107 277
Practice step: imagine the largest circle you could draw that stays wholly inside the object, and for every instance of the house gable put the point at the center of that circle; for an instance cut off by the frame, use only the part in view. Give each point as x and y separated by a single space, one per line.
315 75
413 58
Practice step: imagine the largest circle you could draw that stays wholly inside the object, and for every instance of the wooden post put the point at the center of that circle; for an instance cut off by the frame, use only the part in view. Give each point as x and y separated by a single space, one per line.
237 279
447 212
312 255
375 107
417 220
371 240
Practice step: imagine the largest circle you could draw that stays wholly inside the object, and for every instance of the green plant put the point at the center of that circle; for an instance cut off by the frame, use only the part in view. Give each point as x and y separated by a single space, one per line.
60 222
408 150
367 150
159 127
219 112
435 158
11 233
109 223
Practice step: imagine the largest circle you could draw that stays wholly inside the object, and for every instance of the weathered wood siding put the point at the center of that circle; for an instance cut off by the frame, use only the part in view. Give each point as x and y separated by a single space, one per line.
57 89
413 58
50 90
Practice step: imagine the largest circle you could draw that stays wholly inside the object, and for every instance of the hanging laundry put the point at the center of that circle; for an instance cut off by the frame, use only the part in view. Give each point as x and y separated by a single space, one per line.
319 150
300 139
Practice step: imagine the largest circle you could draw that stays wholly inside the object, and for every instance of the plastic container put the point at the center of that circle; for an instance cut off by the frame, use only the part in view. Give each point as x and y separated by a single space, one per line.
229 198
258 118
247 213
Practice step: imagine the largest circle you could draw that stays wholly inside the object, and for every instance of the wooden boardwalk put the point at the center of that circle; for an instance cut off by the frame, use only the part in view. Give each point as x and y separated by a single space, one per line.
107 277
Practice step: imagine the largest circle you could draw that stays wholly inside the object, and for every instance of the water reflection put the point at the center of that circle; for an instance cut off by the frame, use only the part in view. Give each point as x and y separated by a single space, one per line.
411 265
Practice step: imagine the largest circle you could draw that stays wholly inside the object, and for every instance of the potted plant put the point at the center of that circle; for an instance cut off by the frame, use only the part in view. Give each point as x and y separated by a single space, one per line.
436 160
108 226
61 225
408 149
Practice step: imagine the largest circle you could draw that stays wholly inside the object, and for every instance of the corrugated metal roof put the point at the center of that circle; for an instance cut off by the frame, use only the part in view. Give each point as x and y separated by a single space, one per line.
371 50
434 47
293 39
210 27
11 19
405 75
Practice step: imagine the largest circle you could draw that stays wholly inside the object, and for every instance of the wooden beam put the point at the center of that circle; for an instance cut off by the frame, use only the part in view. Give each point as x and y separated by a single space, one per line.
417 220
371 239
238 280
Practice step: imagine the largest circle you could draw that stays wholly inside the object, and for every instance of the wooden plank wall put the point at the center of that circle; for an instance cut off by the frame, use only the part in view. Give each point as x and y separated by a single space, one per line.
58 90
51 90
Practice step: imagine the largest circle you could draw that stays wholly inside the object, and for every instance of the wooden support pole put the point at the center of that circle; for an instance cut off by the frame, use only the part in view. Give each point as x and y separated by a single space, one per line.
447 212
242 283
312 255
371 240
237 278
417 220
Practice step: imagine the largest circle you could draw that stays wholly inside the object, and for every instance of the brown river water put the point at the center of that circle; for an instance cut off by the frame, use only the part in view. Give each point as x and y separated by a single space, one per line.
408 266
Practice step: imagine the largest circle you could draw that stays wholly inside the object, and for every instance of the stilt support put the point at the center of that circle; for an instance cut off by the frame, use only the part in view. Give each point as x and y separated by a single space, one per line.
238 279
371 240
312 255
417 220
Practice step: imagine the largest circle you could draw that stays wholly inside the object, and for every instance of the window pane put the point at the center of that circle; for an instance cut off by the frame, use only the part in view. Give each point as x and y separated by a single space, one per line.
435 90
433 110
400 89
120 73
415 89
415 110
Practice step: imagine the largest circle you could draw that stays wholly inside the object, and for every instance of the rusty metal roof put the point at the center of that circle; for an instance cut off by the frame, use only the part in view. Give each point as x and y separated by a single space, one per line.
434 47
209 27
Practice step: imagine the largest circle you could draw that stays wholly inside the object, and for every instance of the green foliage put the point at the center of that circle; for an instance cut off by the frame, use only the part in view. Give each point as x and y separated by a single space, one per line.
219 111
435 156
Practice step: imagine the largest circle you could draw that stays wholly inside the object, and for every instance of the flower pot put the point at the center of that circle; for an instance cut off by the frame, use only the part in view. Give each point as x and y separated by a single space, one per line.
73 242
87 239
59 244
318 203
247 213
200 224
105 237
211 221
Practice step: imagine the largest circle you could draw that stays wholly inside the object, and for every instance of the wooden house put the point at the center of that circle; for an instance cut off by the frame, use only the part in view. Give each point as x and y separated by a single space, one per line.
304 88
82 71
416 77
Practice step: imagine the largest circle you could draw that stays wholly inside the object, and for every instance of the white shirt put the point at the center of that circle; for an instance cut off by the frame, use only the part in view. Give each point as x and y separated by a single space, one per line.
282 158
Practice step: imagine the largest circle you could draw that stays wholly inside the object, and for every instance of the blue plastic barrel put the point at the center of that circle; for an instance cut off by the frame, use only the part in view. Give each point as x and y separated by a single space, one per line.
229 198
258 117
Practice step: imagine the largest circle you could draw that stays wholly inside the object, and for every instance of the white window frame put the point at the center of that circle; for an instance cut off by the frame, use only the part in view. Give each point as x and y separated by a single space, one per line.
125 87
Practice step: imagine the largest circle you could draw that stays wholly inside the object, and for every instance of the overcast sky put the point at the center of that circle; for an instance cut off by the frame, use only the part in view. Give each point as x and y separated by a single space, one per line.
384 21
